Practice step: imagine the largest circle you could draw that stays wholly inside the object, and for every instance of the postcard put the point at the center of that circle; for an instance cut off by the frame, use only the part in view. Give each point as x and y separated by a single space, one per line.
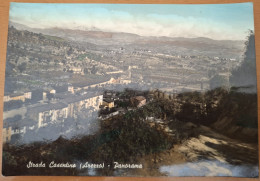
136 90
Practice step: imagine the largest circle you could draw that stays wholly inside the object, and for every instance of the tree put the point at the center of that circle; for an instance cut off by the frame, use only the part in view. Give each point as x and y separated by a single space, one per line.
22 67
212 73
219 81
50 96
86 71
245 75
9 68
93 70
70 51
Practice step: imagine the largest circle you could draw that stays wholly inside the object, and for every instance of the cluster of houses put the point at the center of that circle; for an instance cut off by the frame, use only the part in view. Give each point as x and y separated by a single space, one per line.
51 105
41 114
64 108
68 104
61 106
113 101
83 86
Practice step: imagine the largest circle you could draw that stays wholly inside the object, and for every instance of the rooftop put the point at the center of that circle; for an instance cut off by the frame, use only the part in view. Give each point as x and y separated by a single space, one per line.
139 98
108 100
47 107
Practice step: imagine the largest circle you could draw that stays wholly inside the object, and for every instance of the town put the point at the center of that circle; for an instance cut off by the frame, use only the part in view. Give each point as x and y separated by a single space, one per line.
130 90
67 87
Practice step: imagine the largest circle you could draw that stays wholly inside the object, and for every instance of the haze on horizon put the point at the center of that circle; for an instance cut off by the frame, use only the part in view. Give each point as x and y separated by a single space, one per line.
215 21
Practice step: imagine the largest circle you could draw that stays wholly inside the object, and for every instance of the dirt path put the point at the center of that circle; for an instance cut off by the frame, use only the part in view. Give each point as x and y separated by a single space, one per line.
211 153
214 146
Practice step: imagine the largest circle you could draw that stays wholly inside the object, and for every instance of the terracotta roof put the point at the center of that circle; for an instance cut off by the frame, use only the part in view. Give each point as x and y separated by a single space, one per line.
139 98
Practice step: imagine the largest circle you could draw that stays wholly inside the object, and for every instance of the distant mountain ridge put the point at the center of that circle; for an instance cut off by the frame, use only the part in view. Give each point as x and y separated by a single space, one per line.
98 37
78 32
102 34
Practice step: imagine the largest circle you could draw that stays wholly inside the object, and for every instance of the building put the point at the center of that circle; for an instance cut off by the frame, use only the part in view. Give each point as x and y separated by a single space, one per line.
14 127
77 103
44 114
83 86
64 108
7 133
123 81
108 103
40 115
138 101
46 92
18 96
162 95
71 89
77 70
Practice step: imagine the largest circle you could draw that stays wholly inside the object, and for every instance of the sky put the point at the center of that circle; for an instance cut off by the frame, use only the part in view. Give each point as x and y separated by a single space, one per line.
215 21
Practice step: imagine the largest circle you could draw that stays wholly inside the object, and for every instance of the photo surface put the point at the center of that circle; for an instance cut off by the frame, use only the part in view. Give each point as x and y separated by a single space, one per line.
132 90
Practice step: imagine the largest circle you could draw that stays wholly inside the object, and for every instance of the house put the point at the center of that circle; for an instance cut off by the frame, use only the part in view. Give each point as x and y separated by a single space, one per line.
77 103
44 114
77 70
13 127
125 81
71 89
50 90
7 133
48 93
18 96
138 101
108 103
66 106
